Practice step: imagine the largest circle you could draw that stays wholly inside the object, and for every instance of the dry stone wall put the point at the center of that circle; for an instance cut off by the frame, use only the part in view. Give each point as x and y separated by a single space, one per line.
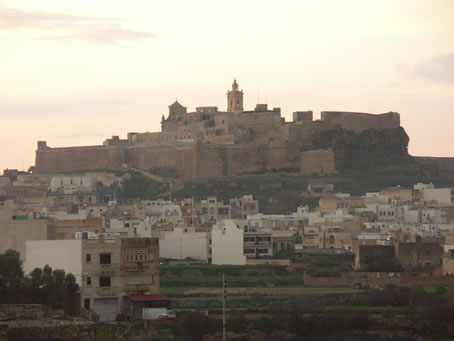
53 330
379 279
21 312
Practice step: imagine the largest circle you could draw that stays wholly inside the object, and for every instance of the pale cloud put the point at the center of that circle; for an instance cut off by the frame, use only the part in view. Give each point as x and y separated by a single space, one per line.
59 109
60 26
438 69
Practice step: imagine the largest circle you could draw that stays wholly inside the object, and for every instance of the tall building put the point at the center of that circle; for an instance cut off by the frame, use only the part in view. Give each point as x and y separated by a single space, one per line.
235 99
116 275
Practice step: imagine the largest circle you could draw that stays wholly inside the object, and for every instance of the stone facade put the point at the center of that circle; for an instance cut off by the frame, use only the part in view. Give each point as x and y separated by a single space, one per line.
418 255
112 269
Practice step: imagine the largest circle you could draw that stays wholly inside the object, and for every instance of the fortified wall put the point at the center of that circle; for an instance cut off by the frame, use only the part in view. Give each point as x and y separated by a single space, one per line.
211 143
190 161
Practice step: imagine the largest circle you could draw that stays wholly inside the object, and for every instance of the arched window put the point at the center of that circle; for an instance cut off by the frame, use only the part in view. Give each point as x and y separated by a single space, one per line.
331 239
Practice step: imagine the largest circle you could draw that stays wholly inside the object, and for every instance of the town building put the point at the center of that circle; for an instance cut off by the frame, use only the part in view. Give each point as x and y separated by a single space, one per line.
116 275
227 240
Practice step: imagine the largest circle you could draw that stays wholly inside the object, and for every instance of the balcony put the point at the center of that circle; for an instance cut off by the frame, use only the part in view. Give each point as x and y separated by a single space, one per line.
112 266
107 289
144 287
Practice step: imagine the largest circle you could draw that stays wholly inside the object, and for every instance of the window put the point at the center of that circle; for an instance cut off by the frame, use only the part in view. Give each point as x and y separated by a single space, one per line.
88 280
88 258
87 303
104 258
104 282
138 255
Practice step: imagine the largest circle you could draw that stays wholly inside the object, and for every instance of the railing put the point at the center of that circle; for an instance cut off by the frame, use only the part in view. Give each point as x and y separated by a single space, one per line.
107 289
109 266
139 287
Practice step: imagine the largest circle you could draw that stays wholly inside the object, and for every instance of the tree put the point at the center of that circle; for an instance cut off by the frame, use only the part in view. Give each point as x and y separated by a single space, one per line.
44 286
11 274
195 325
55 285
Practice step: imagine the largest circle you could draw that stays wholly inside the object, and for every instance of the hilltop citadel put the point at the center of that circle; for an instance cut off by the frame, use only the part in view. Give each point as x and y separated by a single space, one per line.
213 143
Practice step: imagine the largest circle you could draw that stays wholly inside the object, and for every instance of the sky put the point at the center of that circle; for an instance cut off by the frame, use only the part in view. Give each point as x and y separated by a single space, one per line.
75 72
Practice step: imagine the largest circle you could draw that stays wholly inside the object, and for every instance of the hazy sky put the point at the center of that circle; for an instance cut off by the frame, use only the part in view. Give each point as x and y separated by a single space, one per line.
75 72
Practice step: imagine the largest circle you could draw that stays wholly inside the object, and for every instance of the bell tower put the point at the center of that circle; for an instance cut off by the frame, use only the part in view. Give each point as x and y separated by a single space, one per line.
235 99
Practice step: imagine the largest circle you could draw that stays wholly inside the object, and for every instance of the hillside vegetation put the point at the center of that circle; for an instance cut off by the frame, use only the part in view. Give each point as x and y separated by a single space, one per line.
366 162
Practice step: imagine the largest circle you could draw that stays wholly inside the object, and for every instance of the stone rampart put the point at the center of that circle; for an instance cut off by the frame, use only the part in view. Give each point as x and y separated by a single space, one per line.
319 162
54 160
218 161
188 159
148 157
361 121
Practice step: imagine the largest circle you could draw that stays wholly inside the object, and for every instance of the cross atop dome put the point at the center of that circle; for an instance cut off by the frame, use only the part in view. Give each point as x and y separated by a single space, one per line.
234 85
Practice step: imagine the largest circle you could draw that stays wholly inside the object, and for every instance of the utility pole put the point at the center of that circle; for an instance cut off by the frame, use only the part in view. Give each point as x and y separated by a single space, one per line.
224 297
192 209
170 191
181 248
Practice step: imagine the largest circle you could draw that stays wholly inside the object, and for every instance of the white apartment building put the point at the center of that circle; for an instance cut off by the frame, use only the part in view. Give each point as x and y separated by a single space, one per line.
185 242
227 240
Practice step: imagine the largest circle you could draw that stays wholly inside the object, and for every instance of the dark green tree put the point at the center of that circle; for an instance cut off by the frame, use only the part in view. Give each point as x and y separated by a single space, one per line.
45 285
11 274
